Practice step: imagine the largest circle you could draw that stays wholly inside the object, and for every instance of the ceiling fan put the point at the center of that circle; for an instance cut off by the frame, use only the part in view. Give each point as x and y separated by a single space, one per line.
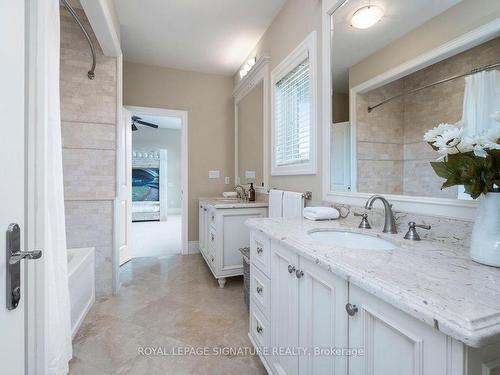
136 120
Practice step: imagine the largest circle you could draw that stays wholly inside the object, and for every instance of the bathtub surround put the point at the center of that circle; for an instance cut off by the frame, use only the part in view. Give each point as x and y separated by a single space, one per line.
88 114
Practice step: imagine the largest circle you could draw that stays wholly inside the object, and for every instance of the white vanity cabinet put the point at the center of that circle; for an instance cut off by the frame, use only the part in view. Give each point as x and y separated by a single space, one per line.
313 309
308 313
222 232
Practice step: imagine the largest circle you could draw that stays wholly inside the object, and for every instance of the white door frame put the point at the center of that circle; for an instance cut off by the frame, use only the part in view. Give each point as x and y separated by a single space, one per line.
183 115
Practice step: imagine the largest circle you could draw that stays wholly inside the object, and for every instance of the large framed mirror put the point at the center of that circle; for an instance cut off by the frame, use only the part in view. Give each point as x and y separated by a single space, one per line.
251 127
374 135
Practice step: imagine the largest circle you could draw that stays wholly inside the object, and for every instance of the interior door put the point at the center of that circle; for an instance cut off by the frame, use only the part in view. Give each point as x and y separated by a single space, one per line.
12 173
125 186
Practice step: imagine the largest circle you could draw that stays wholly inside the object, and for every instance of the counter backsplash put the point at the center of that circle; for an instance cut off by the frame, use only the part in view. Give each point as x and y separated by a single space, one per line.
451 231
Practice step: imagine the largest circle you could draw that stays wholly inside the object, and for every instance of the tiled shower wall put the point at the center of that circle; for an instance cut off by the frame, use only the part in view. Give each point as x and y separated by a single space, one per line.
392 158
88 119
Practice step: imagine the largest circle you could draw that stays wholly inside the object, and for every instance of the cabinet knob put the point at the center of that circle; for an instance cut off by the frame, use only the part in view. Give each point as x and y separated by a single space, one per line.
213 217
259 289
351 309
212 259
259 250
291 269
299 273
259 328
213 237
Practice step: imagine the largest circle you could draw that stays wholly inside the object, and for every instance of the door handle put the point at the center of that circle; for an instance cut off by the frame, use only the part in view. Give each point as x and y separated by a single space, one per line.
14 255
17 257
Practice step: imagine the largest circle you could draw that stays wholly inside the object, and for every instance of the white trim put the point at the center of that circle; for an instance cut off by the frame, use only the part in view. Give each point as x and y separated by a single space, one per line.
259 73
35 222
102 20
453 208
193 247
307 48
183 115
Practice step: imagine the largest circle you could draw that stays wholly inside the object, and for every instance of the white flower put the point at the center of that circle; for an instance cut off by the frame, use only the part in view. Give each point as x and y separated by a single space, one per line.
474 144
491 139
432 134
448 142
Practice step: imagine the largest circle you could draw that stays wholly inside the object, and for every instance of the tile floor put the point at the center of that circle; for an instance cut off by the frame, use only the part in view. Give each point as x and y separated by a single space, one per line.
165 302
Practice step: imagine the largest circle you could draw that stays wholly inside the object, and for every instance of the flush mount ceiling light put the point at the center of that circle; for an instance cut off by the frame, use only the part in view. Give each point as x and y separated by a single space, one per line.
366 16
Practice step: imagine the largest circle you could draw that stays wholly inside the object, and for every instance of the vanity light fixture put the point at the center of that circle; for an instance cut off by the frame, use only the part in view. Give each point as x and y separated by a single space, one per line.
366 16
247 67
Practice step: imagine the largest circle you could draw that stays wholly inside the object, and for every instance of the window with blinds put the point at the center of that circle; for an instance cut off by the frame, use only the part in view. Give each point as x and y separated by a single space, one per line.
292 112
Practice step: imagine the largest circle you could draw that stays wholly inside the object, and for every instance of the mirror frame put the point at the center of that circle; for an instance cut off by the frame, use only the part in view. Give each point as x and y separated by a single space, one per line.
259 73
445 207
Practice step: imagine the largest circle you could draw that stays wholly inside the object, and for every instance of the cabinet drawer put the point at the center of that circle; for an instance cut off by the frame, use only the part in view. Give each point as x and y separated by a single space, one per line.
260 290
260 252
260 328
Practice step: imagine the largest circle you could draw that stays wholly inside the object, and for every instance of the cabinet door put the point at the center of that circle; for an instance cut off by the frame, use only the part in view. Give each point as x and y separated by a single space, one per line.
284 308
394 343
323 320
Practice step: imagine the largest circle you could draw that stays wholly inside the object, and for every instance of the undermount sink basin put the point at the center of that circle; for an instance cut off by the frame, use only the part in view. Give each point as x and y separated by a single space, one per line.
351 240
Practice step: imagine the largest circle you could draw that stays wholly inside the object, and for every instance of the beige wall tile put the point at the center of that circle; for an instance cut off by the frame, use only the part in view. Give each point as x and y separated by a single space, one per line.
88 114
88 135
90 224
89 174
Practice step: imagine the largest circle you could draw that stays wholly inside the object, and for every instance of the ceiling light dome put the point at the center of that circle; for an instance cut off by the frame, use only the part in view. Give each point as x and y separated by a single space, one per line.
366 16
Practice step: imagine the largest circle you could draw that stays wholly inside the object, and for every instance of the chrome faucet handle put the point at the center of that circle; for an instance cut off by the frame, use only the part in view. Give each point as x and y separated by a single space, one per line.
364 221
412 233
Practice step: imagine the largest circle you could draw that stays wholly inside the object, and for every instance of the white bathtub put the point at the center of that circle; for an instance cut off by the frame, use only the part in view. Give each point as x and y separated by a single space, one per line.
81 281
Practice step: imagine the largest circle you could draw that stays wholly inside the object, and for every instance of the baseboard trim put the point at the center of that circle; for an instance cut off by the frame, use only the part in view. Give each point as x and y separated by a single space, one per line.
193 247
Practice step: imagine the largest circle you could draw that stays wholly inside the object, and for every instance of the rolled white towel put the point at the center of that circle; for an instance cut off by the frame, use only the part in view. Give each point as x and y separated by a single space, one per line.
321 213
229 194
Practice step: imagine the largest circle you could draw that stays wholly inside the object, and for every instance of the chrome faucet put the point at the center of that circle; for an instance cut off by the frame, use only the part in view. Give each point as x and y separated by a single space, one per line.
240 190
390 222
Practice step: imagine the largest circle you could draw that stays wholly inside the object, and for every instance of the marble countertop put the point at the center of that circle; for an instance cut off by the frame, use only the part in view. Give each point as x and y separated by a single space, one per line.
434 282
219 202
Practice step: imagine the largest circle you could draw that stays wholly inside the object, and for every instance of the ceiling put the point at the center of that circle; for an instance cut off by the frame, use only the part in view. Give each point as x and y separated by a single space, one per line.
351 45
163 122
210 36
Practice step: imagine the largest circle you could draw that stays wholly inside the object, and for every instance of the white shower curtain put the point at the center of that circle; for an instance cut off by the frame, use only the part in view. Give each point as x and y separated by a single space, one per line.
58 314
481 101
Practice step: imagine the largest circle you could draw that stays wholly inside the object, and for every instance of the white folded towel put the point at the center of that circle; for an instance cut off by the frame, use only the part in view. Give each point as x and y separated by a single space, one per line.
275 203
321 213
229 194
293 204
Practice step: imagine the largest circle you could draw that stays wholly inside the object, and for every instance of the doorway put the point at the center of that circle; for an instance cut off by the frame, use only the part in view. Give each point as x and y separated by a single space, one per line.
153 183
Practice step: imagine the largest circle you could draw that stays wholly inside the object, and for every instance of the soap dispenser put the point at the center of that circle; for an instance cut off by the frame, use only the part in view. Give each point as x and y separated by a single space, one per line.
251 193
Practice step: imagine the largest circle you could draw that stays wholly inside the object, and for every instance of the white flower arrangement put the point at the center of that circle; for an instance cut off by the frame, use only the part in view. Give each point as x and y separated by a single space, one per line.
472 161
449 139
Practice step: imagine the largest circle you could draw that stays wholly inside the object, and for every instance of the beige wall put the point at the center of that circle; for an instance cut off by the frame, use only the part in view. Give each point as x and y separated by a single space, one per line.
148 139
340 107
458 20
296 20
208 100
250 135
88 116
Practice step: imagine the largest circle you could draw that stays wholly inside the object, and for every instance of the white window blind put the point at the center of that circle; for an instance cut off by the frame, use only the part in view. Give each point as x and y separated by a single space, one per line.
292 116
